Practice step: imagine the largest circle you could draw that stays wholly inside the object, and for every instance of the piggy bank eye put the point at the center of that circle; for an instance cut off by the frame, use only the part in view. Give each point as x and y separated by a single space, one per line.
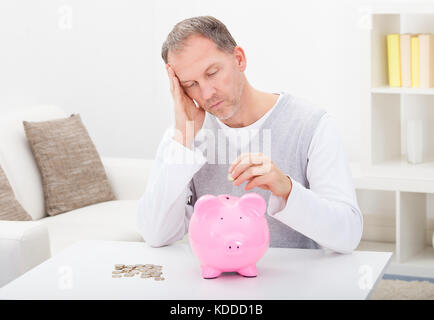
241 217
221 218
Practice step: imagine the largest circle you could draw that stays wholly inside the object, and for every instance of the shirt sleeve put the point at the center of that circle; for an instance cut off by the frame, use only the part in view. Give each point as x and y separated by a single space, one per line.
164 209
328 212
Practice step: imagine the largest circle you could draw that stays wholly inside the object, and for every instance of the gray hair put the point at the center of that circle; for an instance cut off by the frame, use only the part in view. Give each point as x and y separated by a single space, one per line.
206 26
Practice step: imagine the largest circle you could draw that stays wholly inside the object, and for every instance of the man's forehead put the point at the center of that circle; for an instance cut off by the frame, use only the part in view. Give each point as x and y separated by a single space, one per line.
194 48
193 72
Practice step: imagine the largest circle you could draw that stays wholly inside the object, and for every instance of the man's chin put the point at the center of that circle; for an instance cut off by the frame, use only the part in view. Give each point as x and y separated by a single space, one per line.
223 116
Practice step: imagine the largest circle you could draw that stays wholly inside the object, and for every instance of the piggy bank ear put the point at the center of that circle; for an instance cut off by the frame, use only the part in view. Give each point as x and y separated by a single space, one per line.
253 203
206 205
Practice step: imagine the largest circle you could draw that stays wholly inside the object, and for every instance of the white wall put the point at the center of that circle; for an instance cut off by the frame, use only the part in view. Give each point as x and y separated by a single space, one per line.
101 58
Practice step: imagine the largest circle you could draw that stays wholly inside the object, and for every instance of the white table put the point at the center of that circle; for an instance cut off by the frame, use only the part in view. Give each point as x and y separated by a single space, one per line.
83 271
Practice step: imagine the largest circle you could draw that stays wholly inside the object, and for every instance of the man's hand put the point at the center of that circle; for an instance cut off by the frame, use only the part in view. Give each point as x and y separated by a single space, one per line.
187 115
261 172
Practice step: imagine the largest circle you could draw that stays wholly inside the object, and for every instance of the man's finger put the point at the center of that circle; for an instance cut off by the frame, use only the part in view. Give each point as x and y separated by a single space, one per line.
258 181
175 83
237 161
248 161
240 168
255 158
170 75
172 87
249 173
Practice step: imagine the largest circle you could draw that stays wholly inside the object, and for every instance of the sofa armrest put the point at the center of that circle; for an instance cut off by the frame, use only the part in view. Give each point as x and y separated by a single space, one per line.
127 176
23 245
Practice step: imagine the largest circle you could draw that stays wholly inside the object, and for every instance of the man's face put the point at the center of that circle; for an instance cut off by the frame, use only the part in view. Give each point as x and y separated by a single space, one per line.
209 76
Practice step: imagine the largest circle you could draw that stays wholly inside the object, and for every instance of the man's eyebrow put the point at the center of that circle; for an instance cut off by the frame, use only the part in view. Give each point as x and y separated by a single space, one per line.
212 65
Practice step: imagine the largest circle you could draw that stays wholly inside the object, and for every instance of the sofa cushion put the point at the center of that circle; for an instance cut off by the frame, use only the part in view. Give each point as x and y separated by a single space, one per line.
73 175
16 157
10 209
111 220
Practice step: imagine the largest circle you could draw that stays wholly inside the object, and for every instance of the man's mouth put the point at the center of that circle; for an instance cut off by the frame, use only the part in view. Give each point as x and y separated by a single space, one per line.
217 104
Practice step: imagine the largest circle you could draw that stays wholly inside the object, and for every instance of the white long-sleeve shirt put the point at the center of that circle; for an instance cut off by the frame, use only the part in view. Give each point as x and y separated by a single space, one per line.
327 213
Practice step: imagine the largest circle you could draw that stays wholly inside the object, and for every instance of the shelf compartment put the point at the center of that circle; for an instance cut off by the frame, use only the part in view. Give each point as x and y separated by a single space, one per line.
382 25
378 208
385 128
419 107
411 224
400 23
388 143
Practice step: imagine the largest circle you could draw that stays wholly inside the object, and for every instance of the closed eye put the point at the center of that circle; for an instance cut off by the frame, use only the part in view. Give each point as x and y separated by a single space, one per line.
194 83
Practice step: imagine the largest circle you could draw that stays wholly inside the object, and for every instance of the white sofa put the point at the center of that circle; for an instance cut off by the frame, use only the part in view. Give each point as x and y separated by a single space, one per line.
25 244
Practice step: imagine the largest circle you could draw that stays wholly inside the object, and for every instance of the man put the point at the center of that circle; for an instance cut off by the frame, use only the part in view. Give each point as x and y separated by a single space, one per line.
301 171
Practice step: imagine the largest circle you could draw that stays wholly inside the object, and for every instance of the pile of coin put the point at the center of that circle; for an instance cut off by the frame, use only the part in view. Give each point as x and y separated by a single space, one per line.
145 271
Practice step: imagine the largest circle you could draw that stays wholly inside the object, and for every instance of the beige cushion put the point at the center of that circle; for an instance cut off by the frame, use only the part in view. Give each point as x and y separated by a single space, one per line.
72 172
10 209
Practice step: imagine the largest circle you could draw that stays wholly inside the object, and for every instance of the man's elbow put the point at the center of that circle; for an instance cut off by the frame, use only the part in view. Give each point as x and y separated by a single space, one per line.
358 229
155 240
352 239
152 238
155 243
149 235
341 250
350 249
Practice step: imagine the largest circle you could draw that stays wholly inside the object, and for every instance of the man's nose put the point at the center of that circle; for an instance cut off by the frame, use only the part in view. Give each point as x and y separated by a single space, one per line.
208 92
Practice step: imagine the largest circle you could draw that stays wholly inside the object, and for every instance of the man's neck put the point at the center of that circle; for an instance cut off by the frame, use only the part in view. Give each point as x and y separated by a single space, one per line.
253 106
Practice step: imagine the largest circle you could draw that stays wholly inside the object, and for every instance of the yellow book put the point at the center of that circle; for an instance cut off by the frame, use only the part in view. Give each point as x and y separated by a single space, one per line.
414 43
393 59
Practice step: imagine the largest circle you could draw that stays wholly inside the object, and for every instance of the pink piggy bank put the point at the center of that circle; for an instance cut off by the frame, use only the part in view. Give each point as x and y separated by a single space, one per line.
229 234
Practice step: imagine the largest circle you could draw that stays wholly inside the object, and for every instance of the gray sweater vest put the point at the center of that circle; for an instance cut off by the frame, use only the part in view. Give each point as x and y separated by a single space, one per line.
284 137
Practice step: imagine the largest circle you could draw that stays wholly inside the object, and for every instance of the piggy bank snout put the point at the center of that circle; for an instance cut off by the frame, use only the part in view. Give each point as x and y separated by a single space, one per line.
234 246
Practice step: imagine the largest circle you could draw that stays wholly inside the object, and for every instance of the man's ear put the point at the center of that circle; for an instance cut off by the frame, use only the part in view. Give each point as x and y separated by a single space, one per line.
240 58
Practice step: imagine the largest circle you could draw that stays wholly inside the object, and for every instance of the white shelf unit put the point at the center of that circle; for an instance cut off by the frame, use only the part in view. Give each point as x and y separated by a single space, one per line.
392 193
